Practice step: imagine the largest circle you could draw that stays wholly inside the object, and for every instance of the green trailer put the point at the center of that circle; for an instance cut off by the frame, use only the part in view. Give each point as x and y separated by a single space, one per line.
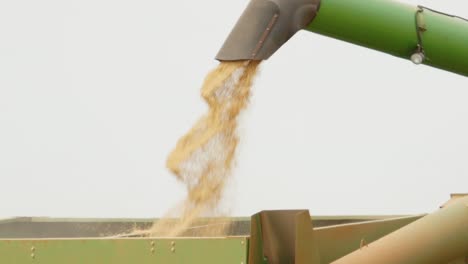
290 236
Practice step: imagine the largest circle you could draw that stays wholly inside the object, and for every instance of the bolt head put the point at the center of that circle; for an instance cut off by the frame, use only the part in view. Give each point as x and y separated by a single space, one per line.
417 58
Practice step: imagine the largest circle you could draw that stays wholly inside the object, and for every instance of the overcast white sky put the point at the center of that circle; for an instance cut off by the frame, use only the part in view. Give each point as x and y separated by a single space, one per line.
95 93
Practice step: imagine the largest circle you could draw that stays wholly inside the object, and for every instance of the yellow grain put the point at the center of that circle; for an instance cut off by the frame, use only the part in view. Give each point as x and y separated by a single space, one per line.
203 158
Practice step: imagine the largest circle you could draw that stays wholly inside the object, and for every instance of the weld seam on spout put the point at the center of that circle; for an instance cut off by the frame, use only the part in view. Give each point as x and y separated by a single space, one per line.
265 35
265 26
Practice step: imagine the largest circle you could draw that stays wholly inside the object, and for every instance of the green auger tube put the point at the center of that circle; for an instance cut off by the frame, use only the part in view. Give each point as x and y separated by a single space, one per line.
417 33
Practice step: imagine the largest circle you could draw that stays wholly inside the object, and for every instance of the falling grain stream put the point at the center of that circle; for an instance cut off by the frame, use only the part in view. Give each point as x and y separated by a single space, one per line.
203 158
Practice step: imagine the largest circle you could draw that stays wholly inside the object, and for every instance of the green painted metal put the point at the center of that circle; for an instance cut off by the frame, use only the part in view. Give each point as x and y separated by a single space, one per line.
125 251
34 227
284 232
390 27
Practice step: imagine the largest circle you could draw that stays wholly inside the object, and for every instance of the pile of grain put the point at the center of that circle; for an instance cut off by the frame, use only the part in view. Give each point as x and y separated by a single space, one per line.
203 159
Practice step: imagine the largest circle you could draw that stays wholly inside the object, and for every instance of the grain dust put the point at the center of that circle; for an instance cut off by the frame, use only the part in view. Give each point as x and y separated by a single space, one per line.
203 158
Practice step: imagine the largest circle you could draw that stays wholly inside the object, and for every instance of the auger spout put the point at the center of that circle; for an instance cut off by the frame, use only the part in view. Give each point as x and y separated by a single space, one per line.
265 26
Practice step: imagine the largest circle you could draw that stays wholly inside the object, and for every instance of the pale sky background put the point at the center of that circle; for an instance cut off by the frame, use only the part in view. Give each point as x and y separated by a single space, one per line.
95 93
